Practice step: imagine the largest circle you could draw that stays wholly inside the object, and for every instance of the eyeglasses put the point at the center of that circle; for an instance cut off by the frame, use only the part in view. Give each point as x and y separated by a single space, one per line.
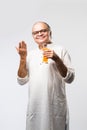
40 31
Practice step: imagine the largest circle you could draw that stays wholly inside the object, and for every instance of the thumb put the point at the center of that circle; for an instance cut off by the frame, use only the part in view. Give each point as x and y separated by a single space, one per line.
17 49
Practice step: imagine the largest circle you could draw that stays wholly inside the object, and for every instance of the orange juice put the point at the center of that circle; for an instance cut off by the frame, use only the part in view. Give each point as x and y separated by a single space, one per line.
45 59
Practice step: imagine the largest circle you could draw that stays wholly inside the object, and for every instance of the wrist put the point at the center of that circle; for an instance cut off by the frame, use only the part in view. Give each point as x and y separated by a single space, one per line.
23 58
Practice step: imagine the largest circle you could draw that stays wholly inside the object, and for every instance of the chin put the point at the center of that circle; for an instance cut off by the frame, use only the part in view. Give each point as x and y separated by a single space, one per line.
41 42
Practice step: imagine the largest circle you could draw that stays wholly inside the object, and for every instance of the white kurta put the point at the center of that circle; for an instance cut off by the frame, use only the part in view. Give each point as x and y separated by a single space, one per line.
47 105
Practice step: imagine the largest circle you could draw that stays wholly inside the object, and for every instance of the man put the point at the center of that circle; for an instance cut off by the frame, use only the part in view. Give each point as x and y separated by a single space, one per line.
47 105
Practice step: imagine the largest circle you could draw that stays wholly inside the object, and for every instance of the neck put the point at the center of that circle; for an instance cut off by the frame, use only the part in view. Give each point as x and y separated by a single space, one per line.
42 45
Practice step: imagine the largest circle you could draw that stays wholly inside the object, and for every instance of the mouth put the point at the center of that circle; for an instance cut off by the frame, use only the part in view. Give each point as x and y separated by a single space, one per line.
41 37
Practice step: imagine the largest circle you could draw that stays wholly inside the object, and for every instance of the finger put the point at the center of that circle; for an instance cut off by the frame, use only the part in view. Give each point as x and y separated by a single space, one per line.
23 44
20 45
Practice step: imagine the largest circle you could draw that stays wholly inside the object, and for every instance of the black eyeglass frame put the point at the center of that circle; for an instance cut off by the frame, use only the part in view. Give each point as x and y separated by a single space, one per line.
40 31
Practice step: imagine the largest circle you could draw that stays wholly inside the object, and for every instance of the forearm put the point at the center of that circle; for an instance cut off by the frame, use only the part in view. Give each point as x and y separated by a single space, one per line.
60 65
22 71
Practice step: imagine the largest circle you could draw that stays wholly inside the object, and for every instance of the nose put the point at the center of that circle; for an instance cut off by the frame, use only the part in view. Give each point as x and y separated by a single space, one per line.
39 33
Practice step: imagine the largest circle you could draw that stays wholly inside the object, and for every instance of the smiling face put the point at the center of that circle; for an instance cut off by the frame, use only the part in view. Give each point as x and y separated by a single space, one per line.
41 33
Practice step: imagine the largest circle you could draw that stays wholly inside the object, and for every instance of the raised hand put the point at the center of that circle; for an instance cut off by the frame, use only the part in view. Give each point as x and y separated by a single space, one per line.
22 49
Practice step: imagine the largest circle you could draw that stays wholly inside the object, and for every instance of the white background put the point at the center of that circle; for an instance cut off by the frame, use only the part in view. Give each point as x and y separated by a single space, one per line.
68 20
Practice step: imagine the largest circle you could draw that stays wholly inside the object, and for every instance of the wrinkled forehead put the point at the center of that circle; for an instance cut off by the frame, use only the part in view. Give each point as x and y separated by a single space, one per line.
39 26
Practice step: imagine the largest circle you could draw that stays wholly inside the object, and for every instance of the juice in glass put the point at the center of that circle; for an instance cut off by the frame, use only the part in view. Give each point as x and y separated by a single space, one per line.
45 59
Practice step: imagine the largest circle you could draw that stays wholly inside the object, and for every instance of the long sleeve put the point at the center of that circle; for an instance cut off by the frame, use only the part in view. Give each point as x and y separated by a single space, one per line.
70 70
